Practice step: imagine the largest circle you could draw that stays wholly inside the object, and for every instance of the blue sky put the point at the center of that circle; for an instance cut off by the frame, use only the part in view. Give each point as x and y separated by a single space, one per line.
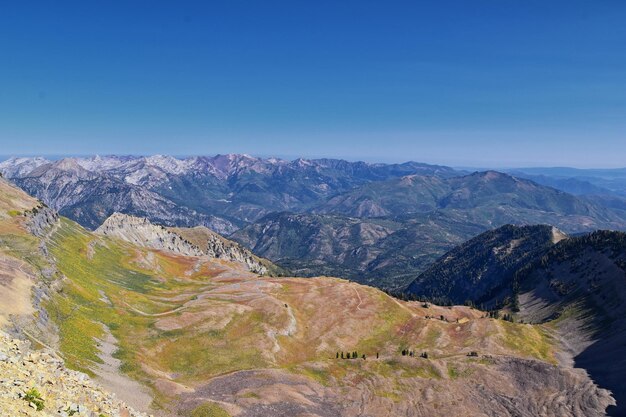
473 83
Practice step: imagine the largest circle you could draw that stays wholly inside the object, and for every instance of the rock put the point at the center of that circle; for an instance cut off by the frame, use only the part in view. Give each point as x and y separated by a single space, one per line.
141 232
63 392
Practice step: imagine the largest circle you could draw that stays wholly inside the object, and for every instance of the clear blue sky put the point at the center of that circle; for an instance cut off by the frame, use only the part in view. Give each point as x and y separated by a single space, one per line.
498 83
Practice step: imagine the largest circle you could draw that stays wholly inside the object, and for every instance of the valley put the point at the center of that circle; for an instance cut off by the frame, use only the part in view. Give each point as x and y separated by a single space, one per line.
377 224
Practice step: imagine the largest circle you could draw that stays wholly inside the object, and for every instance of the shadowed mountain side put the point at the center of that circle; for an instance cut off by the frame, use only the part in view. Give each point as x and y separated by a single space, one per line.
576 285
480 268
580 285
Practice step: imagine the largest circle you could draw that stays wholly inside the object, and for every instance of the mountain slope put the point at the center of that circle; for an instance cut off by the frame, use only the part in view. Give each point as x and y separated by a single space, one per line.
481 267
195 333
576 285
501 196
218 247
423 217
580 284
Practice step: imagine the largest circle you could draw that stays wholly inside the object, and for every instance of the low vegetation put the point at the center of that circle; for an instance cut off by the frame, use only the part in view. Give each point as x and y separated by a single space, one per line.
32 396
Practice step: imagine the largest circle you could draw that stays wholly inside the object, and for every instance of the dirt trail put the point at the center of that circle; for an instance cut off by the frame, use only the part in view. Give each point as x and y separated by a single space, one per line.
358 307
108 374
165 313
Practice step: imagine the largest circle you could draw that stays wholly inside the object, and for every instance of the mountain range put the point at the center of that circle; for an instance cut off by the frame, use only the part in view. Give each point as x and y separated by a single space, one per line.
157 317
379 224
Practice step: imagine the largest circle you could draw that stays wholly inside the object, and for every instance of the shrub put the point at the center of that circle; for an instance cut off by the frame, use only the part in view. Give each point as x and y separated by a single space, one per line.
33 396
209 410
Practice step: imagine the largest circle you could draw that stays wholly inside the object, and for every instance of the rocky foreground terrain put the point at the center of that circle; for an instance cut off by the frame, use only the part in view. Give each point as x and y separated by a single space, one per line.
36 383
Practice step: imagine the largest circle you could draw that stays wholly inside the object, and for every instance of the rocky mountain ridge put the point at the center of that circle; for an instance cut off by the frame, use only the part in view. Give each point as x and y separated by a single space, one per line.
199 241
141 232
221 192
478 269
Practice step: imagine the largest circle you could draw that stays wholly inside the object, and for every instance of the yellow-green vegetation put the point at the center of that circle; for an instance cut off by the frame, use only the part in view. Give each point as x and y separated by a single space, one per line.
108 286
181 317
433 334
458 370
528 340
97 277
34 397
209 410
16 242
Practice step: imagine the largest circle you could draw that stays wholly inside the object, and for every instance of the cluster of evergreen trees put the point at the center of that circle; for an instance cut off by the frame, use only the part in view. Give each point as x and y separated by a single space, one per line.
355 354
351 355
411 353
495 314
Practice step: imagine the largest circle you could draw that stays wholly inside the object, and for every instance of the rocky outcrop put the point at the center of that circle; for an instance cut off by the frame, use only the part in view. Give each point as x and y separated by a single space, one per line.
216 246
36 383
40 219
198 241
141 232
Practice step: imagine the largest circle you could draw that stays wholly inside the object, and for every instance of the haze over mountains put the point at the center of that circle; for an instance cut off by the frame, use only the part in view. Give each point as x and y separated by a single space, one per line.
380 224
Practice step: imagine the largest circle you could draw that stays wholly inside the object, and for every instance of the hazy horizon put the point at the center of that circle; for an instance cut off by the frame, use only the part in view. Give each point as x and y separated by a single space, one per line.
294 157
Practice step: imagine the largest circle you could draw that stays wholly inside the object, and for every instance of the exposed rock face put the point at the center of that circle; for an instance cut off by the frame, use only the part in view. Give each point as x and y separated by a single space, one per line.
40 220
198 241
216 246
141 232
63 392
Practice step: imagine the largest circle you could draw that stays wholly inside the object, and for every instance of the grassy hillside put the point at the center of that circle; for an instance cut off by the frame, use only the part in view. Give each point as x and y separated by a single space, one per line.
198 335
180 321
